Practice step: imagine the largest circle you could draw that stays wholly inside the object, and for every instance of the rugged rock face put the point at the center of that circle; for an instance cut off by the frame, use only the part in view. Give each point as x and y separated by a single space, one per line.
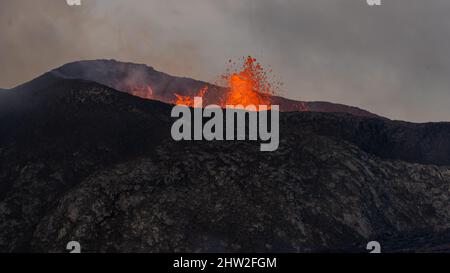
426 143
216 197
81 161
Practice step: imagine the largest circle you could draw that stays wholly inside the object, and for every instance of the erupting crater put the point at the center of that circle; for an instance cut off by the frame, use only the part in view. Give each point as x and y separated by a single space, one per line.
248 85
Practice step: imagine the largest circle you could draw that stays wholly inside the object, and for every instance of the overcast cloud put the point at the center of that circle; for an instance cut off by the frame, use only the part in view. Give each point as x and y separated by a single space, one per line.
392 60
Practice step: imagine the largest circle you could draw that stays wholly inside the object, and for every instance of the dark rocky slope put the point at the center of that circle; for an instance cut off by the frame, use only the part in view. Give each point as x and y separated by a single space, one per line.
80 161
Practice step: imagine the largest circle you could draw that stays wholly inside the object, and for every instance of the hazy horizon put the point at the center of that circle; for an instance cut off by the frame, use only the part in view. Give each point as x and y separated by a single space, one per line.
391 60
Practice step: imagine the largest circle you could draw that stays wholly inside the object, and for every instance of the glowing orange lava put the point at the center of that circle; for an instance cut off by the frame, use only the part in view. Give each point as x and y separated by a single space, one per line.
189 100
249 86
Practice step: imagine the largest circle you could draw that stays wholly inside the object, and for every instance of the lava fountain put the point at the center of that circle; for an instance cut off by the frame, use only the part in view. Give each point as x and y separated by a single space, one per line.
250 85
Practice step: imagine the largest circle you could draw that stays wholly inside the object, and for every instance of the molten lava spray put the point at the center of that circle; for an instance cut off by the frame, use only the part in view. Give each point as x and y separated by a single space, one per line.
249 85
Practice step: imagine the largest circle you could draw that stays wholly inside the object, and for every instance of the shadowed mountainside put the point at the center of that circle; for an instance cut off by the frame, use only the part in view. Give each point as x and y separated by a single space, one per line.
81 161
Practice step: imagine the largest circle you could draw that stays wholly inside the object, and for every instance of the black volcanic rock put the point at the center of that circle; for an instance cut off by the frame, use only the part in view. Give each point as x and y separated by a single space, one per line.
81 161
135 78
424 143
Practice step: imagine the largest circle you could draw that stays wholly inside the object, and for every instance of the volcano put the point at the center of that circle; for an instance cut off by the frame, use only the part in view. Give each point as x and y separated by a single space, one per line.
82 159
146 82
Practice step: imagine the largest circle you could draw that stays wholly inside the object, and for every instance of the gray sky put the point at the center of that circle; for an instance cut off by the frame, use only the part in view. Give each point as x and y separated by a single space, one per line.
392 60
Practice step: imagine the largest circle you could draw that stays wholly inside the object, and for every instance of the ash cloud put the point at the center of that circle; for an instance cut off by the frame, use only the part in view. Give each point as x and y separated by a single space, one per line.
392 60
